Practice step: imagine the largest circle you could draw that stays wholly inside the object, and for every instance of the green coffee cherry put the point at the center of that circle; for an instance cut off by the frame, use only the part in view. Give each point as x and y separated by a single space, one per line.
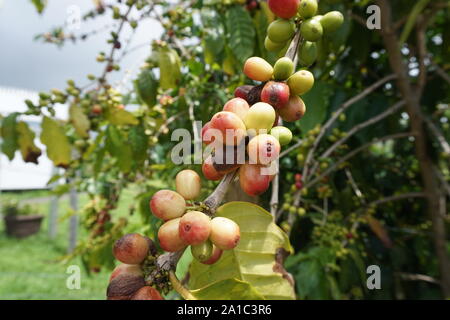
311 30
283 134
331 21
273 46
283 69
307 54
307 8
203 251
281 30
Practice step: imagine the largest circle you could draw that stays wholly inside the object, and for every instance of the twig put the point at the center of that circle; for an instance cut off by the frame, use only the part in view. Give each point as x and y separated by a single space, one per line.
418 277
439 136
444 75
441 178
355 187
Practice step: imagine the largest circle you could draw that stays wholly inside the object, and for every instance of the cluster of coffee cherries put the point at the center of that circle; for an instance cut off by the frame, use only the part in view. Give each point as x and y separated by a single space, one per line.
313 27
186 226
127 281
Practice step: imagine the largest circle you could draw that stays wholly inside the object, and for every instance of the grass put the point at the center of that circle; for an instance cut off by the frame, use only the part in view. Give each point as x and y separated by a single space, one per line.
29 268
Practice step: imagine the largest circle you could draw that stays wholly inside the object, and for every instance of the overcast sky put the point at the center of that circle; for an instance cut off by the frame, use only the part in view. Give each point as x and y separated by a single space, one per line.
29 64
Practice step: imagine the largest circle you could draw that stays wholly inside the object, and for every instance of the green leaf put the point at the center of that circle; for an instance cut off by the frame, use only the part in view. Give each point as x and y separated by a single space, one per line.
169 67
241 33
39 4
139 143
213 39
119 147
118 117
30 153
79 120
147 87
252 261
416 10
316 102
9 135
56 141
228 289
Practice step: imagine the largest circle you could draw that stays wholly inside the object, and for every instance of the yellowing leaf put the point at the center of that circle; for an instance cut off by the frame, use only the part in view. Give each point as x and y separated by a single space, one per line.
56 141
169 67
254 261
119 117
30 153
227 289
79 120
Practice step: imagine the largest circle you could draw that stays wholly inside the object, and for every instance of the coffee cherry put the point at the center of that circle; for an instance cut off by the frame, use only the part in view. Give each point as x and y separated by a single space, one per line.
254 95
124 286
294 109
188 184
311 30
147 293
131 248
272 45
167 204
260 117
226 159
307 54
280 31
242 91
238 106
331 21
207 138
215 256
283 69
284 8
195 227
253 180
258 69
307 8
203 251
276 94
209 171
232 129
283 134
225 233
169 236
300 82
263 149
123 268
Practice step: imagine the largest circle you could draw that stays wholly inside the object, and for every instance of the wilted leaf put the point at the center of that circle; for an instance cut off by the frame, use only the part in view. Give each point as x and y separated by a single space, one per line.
79 120
170 68
253 261
147 87
30 152
56 141
241 32
9 135
117 116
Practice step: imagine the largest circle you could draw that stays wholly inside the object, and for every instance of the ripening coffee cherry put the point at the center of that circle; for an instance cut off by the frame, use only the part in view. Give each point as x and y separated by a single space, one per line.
238 106
132 248
280 31
307 54
167 204
300 82
207 138
225 233
147 293
124 286
232 129
123 268
254 179
263 149
215 256
311 30
242 91
294 109
169 236
283 134
331 21
203 251
283 69
258 69
254 95
307 8
284 8
273 46
195 227
226 159
209 171
188 184
260 117
276 94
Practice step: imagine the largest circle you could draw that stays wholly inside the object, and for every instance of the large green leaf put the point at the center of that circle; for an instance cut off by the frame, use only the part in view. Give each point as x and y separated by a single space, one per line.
79 120
228 289
139 143
213 39
169 67
56 141
30 153
118 117
241 32
119 147
316 102
147 87
253 261
9 135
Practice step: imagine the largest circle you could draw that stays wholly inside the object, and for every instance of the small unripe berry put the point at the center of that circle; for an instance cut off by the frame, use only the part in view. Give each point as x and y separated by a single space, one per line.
195 227
215 256
225 233
167 204
203 251
131 248
169 236
188 184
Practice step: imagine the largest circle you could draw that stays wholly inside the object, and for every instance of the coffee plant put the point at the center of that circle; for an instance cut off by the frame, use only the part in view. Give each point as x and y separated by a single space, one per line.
339 130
